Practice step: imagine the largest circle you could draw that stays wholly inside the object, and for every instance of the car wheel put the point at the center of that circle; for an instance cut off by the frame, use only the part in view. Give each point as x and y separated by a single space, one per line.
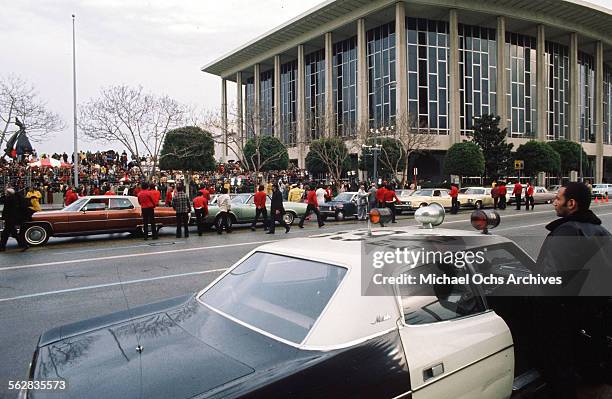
288 218
422 205
478 205
339 216
36 235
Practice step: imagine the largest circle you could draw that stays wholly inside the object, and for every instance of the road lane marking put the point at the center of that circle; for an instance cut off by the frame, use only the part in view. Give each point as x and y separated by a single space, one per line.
103 258
539 224
114 248
92 287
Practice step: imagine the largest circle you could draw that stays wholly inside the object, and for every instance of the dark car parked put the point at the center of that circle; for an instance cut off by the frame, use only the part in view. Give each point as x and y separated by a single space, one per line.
342 206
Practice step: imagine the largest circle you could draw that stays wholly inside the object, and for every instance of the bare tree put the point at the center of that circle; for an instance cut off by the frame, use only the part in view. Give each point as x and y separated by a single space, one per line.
137 120
19 99
412 138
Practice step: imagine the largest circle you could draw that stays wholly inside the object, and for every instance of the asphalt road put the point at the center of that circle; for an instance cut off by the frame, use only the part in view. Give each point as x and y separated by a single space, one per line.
78 278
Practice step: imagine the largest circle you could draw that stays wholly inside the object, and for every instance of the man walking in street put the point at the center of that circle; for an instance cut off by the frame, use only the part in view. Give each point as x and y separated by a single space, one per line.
321 194
224 203
13 215
200 207
182 206
576 242
380 196
362 203
312 206
147 206
390 200
454 193
495 196
517 192
529 196
276 211
372 197
259 200
503 191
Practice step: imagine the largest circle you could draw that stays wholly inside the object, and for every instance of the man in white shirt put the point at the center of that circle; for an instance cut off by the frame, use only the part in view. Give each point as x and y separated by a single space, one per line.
320 195
224 203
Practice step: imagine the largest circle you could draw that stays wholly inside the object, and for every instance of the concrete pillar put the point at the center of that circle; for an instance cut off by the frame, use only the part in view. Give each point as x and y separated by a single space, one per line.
574 119
541 79
277 97
301 109
502 88
330 120
362 80
599 110
454 105
401 78
239 107
257 106
224 117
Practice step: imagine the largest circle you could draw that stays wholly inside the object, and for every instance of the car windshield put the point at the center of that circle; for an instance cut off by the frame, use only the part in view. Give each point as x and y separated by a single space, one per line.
474 191
600 186
240 199
76 205
424 193
344 197
281 295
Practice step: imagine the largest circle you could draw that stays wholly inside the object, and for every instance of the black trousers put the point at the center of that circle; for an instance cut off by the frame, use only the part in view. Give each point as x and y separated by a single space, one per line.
495 202
264 215
10 230
273 218
391 206
200 215
223 222
502 202
148 218
309 209
454 205
529 201
182 220
517 198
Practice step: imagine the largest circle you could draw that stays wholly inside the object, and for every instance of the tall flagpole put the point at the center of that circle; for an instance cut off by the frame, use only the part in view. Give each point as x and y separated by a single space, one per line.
75 163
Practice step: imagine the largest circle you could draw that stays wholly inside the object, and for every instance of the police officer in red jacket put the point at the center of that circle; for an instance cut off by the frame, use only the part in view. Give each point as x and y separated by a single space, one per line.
200 206
147 207
454 193
390 200
260 207
529 197
518 192
313 206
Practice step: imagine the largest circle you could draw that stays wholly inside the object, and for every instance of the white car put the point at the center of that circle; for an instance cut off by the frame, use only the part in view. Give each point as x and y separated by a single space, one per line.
602 190
475 197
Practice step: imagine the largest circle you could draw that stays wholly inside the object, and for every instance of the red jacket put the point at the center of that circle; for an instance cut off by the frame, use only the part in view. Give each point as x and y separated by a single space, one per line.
390 196
260 199
71 196
530 191
454 192
503 190
380 194
169 197
518 189
201 202
205 193
146 199
156 196
311 198
109 192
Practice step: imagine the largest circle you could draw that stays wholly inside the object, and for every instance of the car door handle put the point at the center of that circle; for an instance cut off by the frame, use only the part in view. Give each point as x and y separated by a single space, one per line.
433 371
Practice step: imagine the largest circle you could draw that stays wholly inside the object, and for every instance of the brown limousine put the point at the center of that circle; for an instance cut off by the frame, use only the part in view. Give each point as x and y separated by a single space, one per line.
93 215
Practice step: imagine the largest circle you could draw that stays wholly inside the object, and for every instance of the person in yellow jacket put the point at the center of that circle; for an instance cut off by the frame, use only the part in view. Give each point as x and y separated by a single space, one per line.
34 197
295 194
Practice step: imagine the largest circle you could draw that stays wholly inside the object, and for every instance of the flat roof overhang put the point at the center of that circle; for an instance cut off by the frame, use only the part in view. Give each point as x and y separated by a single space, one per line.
561 17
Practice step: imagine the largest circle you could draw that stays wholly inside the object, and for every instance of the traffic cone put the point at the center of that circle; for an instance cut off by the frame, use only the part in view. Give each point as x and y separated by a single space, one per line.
606 198
596 199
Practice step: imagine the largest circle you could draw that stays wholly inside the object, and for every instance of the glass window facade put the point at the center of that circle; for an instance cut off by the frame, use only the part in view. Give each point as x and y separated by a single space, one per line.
478 70
521 83
266 103
557 89
427 55
586 96
381 75
607 101
287 102
345 86
249 114
314 92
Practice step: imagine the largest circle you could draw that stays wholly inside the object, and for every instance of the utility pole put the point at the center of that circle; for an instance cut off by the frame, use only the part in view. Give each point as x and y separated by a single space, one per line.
75 163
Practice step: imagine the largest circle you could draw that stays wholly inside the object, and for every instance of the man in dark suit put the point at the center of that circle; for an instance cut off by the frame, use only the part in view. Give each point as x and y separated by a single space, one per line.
277 210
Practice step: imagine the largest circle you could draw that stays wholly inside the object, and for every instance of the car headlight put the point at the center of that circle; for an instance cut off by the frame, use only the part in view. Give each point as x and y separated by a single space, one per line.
470 200
408 203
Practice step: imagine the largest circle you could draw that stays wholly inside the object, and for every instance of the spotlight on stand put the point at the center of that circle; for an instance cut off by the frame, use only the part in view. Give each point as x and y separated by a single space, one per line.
430 216
484 220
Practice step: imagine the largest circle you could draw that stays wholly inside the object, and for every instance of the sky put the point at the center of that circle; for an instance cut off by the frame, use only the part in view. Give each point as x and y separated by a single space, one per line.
159 44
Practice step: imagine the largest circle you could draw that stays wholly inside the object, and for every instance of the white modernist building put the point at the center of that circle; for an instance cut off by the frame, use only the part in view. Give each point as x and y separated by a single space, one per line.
345 66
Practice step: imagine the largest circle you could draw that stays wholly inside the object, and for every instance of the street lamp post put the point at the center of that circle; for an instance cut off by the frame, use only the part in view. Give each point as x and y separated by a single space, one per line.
75 162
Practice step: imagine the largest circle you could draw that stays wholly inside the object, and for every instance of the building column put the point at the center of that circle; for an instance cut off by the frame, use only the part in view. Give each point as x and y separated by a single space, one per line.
224 118
574 120
541 80
301 109
363 115
239 108
599 110
401 78
501 88
454 105
277 97
330 120
257 100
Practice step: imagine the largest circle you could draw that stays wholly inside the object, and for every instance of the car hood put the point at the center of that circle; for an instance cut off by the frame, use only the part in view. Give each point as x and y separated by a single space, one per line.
44 214
187 350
